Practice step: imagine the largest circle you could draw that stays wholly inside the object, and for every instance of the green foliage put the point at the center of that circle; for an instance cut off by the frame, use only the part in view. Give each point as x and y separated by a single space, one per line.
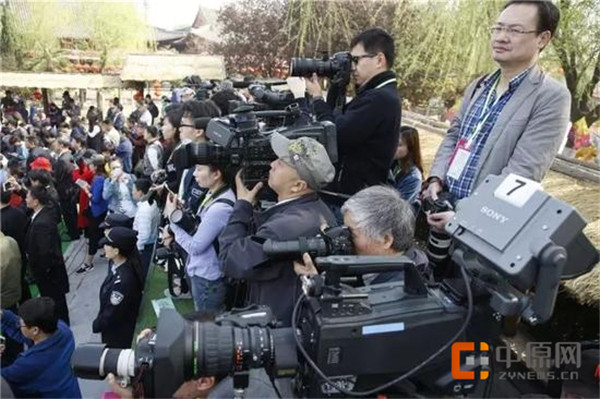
32 32
115 29
577 49
442 47
33 42
315 27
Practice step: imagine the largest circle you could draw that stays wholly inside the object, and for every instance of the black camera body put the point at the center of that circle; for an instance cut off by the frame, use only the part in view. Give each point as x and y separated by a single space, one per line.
238 142
394 328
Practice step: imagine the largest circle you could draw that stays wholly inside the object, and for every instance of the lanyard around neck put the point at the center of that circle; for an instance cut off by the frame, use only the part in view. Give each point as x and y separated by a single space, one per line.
485 114
380 85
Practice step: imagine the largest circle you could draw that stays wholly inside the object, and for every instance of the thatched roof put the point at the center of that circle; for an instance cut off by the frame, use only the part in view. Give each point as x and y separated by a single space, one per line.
59 80
150 67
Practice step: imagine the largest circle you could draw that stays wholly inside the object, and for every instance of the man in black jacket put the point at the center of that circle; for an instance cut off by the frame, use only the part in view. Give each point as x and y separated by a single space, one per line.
44 251
302 168
368 126
65 186
13 223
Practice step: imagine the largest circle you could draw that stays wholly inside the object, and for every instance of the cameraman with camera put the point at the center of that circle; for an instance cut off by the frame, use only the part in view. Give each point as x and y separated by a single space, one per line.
302 168
381 223
368 126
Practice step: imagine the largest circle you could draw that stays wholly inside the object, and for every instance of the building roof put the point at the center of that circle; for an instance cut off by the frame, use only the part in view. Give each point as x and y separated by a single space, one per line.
150 67
59 80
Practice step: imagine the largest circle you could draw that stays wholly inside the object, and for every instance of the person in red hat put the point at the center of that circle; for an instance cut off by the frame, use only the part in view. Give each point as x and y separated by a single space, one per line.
41 163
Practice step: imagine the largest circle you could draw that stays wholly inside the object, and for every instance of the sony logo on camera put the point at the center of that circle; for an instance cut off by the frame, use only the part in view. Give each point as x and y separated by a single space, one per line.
493 214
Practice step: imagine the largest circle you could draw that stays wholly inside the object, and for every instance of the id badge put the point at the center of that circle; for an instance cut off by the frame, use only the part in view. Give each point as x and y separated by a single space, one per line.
459 159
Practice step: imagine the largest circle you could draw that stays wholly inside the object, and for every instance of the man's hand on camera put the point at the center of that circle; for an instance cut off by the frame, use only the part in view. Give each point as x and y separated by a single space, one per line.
438 221
307 268
145 333
124 393
432 189
313 86
243 193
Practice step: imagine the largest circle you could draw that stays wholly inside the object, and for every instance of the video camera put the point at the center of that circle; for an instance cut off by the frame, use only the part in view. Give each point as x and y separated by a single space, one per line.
203 88
238 141
512 250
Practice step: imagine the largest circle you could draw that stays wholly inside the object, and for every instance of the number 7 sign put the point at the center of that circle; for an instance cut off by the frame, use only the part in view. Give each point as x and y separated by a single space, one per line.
516 190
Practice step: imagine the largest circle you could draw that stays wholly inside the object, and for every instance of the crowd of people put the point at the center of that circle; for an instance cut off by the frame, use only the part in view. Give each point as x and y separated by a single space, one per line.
99 177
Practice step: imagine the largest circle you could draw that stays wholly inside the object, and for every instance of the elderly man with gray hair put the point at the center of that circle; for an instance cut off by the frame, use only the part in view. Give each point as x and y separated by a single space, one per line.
381 224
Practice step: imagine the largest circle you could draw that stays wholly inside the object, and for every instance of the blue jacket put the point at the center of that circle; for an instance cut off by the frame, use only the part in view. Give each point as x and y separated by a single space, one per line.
98 204
43 370
408 184
124 151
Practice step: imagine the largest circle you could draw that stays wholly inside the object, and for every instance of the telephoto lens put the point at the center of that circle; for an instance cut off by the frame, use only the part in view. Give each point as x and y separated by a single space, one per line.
94 361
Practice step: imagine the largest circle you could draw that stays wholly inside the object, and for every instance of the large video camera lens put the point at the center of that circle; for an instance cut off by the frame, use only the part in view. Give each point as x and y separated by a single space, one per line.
199 154
184 350
333 241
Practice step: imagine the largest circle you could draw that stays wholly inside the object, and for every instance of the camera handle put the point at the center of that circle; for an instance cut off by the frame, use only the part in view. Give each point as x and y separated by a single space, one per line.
338 266
241 380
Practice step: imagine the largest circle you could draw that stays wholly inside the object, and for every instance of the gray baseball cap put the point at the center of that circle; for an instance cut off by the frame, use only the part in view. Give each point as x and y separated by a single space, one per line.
307 156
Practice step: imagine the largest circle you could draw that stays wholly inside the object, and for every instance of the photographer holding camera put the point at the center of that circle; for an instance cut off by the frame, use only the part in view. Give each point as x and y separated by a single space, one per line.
368 126
381 223
199 240
302 168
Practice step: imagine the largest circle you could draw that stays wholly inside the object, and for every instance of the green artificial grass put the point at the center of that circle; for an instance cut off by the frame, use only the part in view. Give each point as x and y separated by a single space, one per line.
156 284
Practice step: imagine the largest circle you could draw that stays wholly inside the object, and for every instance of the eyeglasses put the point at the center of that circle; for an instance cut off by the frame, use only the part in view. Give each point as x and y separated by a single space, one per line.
496 29
184 125
356 58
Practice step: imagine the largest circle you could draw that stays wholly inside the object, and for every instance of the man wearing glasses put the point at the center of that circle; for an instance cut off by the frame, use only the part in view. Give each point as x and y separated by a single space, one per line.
512 120
44 369
368 126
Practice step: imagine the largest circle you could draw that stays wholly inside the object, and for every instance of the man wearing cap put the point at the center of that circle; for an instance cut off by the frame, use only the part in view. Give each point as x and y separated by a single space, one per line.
121 291
303 167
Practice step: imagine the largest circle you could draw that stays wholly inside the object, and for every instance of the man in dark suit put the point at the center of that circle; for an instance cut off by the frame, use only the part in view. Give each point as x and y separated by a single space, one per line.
44 251
65 186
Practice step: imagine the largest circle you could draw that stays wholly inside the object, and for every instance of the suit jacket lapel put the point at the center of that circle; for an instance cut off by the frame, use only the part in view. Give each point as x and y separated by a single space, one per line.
525 89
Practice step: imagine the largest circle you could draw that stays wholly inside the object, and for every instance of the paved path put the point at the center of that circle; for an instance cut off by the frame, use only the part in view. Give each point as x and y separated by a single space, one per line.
83 304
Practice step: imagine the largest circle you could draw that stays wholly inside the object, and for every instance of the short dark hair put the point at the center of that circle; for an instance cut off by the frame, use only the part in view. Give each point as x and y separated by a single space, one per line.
41 194
548 14
41 313
152 130
196 109
107 122
41 175
143 185
377 40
